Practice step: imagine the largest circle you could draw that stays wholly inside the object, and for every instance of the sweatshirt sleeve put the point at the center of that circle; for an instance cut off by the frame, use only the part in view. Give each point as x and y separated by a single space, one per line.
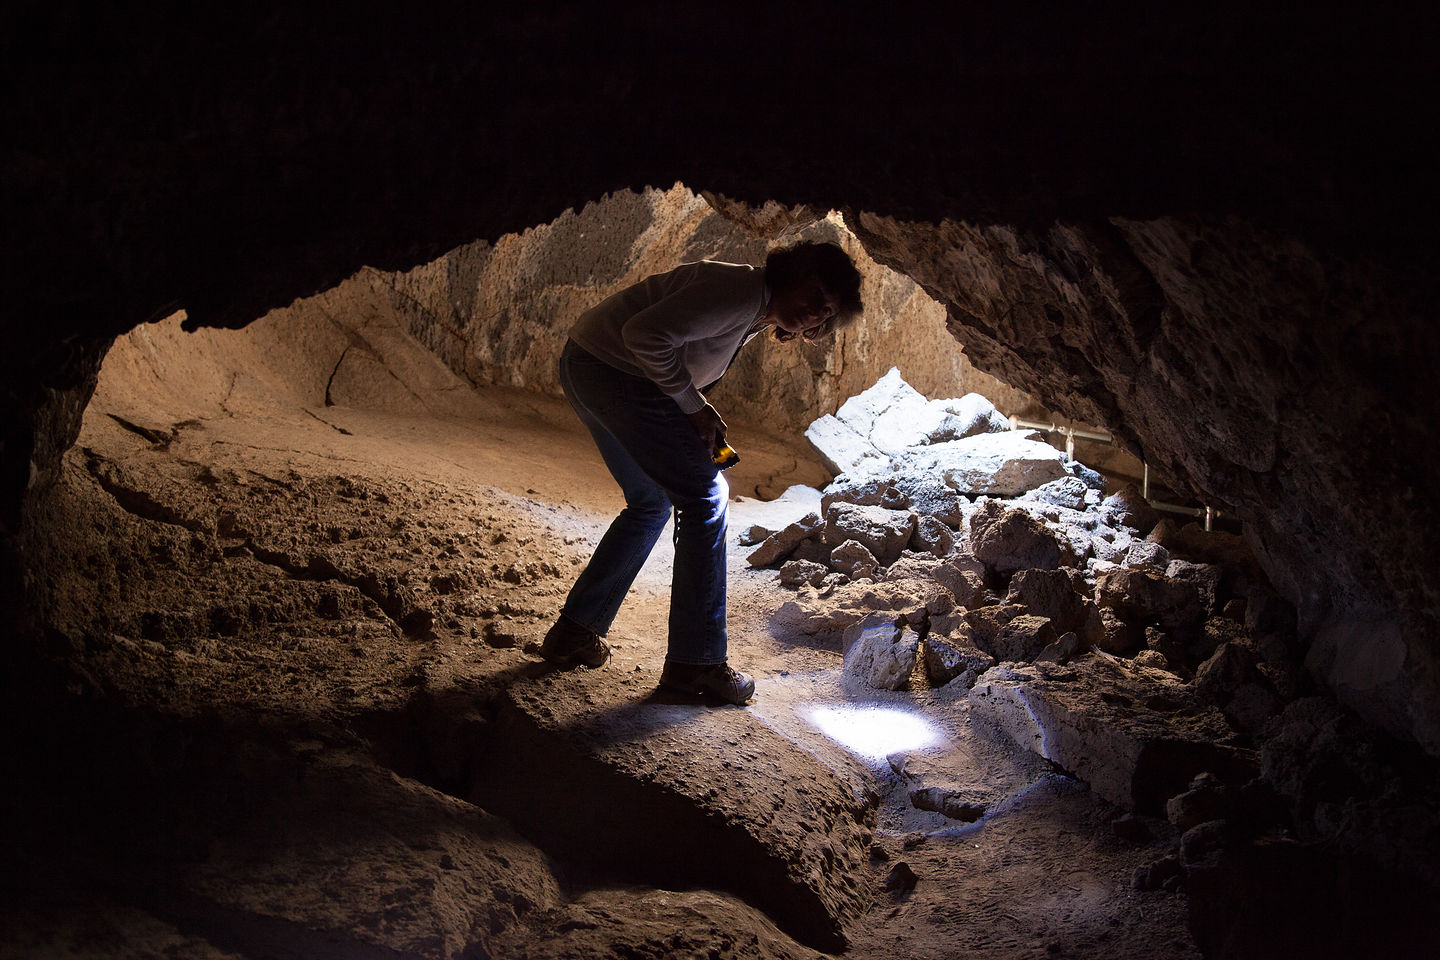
656 336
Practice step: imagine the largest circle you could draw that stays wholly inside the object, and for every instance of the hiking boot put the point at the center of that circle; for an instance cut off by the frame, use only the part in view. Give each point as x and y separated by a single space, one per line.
567 644
715 679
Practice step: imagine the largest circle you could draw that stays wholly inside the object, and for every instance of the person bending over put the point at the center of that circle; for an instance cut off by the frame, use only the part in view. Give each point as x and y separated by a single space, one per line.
633 369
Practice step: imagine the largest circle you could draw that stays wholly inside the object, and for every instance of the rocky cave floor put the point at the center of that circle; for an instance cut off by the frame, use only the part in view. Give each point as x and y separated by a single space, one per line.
298 718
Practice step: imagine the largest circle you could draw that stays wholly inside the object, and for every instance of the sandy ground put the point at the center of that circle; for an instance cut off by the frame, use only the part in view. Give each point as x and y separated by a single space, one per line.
310 625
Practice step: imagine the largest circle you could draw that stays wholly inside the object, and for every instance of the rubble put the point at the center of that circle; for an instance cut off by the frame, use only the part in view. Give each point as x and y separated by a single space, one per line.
1143 658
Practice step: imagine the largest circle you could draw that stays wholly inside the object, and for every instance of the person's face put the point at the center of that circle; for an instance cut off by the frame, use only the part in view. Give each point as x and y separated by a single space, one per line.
802 310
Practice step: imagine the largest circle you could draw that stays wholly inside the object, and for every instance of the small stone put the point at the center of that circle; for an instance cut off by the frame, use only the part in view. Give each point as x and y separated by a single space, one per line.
901 878
796 572
1204 839
948 657
1064 650
755 534
932 536
779 546
854 560
947 803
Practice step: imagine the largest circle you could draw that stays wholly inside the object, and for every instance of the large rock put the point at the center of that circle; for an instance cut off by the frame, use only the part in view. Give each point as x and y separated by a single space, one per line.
890 415
965 417
1146 596
1137 737
1011 540
1023 638
950 655
842 450
988 464
883 532
779 546
880 653
928 496
1050 593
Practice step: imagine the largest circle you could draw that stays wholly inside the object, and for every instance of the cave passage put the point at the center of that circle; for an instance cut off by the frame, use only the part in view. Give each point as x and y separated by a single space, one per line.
304 565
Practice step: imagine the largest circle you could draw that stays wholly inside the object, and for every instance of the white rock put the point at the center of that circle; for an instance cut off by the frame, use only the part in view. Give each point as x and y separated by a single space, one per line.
965 417
842 450
995 464
862 410
1068 492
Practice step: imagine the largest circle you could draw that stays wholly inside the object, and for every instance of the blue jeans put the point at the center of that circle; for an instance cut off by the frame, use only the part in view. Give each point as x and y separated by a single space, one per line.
659 461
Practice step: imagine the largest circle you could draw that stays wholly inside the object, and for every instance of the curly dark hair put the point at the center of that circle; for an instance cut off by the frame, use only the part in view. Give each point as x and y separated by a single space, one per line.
786 267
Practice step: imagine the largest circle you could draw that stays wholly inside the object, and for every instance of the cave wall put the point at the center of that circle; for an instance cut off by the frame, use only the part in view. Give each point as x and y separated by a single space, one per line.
1207 229
1250 370
498 313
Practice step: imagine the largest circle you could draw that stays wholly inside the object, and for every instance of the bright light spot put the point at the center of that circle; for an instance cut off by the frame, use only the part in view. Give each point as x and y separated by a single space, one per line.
875 732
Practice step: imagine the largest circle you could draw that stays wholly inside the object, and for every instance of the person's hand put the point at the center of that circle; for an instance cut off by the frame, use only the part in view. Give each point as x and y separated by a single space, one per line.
709 426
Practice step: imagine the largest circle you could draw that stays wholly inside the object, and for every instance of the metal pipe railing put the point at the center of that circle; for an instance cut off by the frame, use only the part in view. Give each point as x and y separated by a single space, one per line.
1099 436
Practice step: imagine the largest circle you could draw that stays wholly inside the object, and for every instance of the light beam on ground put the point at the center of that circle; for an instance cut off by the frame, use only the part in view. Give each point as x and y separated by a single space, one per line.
874 732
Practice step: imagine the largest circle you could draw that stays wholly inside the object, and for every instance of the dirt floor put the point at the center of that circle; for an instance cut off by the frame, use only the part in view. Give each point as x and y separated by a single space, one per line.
310 725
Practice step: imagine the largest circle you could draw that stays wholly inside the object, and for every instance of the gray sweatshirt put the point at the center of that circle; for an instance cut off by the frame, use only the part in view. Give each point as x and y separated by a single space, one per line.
679 329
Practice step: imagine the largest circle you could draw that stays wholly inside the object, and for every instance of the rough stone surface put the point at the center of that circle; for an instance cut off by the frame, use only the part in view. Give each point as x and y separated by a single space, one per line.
1117 636
988 464
883 532
1011 540
1067 492
879 653
795 572
853 559
862 490
842 449
1126 507
947 656
1146 595
1050 593
947 803
965 417
1231 680
782 544
932 536
964 577
1207 799
929 496
1023 638
1097 720
1063 650
985 623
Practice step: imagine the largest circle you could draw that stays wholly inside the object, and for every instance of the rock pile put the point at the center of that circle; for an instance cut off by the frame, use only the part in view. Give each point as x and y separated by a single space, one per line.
952 551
